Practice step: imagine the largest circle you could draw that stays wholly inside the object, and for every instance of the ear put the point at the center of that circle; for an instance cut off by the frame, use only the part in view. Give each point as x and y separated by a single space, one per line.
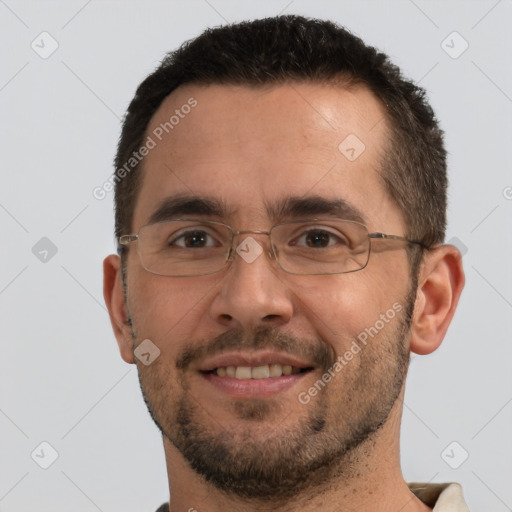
440 284
117 308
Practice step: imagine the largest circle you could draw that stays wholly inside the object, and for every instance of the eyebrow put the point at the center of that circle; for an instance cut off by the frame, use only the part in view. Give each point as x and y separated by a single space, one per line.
183 205
288 208
300 206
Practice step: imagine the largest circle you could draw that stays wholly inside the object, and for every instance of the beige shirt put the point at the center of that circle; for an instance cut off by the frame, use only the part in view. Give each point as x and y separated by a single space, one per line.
442 497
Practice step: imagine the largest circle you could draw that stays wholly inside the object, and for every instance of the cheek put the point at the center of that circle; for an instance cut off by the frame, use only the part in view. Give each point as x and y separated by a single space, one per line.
336 306
166 309
341 307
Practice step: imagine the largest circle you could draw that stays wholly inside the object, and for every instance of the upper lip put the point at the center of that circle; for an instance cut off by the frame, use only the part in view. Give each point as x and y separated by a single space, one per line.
251 359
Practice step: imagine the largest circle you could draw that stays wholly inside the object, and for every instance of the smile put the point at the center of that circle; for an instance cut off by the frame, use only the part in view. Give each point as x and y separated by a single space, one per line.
267 371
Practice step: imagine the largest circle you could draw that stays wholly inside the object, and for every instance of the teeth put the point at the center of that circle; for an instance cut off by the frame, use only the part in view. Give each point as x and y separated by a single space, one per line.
260 372
243 372
257 372
276 370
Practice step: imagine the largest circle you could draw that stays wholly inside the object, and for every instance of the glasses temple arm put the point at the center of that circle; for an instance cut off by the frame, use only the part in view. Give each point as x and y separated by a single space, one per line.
124 240
384 236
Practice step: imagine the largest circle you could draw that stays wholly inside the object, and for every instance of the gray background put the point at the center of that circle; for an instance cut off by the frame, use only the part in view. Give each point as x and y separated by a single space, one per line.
62 380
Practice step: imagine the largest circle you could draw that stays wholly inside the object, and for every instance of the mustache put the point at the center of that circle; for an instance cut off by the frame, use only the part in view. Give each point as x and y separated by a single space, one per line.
315 350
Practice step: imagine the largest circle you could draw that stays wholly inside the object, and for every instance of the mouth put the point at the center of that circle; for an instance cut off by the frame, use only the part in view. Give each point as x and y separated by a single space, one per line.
254 375
266 371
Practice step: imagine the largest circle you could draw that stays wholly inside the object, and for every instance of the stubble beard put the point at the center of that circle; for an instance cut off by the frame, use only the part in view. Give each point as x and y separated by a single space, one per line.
329 443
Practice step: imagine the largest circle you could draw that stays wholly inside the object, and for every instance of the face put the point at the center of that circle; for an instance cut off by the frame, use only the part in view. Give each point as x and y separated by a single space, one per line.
344 335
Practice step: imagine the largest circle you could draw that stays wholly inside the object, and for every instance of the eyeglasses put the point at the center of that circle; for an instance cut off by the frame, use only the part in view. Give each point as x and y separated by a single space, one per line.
190 247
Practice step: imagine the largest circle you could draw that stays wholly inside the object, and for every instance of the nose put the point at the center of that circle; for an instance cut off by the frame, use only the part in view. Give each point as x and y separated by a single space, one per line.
253 290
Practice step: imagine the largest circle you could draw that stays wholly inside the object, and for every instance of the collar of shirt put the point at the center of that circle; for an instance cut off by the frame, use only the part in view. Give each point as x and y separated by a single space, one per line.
442 497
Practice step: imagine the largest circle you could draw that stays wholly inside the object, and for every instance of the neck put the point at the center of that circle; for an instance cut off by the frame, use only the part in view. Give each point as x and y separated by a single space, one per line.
375 482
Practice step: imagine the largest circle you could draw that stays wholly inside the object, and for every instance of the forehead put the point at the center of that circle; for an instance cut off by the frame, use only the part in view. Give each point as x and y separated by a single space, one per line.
251 147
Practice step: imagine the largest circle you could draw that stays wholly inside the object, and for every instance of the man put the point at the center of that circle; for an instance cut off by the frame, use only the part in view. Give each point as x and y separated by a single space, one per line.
280 211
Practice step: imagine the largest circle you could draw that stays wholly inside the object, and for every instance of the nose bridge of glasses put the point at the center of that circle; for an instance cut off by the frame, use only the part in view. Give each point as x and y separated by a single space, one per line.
238 241
250 231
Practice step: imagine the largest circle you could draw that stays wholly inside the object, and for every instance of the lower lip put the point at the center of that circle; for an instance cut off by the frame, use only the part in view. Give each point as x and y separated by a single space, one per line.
253 388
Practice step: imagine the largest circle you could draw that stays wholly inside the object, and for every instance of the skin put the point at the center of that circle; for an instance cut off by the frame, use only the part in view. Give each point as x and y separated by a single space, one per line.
249 146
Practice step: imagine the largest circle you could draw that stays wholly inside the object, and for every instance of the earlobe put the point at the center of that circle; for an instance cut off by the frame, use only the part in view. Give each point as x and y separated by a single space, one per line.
117 309
440 284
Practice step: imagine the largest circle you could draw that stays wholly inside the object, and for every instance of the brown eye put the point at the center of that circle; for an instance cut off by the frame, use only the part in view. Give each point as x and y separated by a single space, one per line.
193 239
319 239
